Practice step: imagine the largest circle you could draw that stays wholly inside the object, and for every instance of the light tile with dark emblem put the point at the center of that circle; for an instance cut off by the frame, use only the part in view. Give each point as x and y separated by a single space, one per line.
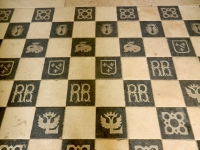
161 68
108 67
84 14
106 29
141 144
174 123
48 123
127 13
8 67
61 29
43 15
191 92
24 93
169 13
193 27
83 47
152 29
17 31
14 144
181 47
56 68
74 144
2 111
35 48
111 122
6 14
81 93
138 93
131 47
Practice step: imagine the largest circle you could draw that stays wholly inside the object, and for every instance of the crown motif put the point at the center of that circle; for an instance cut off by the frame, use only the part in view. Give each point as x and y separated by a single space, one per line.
194 86
49 114
131 42
83 42
111 114
36 43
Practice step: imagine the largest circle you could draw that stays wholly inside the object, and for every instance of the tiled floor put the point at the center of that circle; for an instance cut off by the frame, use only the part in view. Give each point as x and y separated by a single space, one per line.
100 78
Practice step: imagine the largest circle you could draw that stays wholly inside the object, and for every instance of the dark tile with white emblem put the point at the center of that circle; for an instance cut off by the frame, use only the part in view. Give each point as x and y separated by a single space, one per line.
43 15
169 13
14 144
6 14
84 14
61 29
193 27
72 144
127 13
106 29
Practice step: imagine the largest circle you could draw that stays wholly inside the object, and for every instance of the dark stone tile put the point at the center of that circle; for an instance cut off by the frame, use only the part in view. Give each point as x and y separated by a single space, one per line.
24 93
8 67
35 48
106 29
161 68
131 47
181 47
138 93
198 144
83 47
6 14
1 42
48 123
191 92
84 14
2 111
127 13
14 144
17 30
61 29
174 123
56 68
81 93
108 67
111 122
193 27
75 144
43 15
145 144
152 29
169 13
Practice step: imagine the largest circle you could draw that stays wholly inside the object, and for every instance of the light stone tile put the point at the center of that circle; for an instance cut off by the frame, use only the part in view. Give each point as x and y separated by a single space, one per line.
22 15
5 89
196 44
84 29
64 14
190 12
179 144
106 14
129 29
148 14
3 29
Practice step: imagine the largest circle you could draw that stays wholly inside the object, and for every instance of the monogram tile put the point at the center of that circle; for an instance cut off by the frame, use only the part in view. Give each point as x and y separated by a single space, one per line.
14 144
61 29
111 122
81 93
35 48
127 13
43 15
169 13
48 123
6 14
78 144
106 29
2 111
24 93
193 27
174 123
17 30
84 14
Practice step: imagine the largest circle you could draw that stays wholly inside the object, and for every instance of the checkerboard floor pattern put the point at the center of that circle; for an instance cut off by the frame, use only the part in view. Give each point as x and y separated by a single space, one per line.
103 78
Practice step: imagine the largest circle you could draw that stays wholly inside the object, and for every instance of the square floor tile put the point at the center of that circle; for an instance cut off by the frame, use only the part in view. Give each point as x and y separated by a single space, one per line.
106 29
78 144
2 112
106 94
17 30
8 67
17 123
196 44
190 12
76 127
61 29
22 15
142 123
83 47
138 93
14 144
30 69
43 15
84 29
105 125
63 14
52 93
152 29
109 14
198 144
174 123
127 13
24 93
181 47
135 68
35 48
165 95
193 27
81 93
161 68
148 13
108 67
179 144
105 47
169 13
56 68
84 14
129 29
0 42
3 28
6 14
145 144
130 47
5 89
82 68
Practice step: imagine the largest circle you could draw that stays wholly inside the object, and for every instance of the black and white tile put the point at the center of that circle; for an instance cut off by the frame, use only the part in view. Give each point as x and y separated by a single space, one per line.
193 27
106 29
127 13
6 14
169 13
14 144
43 15
84 14
61 29
72 144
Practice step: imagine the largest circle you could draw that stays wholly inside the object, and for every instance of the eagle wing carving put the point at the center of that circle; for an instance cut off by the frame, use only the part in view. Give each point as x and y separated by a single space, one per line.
52 125
111 124
191 94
